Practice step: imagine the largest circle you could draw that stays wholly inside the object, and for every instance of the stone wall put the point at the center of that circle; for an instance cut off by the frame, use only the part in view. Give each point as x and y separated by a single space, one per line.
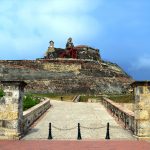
65 76
61 67
32 114
124 115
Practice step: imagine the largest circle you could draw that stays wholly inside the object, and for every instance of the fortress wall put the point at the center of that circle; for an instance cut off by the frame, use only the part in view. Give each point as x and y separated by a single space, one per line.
65 76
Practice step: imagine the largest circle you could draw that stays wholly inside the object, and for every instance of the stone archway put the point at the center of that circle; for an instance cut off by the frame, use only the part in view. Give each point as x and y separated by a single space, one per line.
11 111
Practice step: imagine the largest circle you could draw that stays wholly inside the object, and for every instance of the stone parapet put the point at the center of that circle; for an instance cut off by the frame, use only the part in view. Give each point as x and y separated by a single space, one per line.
125 115
32 114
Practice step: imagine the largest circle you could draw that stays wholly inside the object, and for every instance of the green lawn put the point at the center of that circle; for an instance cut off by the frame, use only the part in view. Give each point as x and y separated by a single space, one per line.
56 96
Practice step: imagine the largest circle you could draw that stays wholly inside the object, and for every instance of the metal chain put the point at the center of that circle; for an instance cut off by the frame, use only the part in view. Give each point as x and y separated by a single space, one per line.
65 128
93 128
114 127
117 127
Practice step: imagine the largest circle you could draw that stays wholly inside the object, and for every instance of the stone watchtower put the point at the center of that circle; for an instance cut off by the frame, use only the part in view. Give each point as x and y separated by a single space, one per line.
50 48
142 108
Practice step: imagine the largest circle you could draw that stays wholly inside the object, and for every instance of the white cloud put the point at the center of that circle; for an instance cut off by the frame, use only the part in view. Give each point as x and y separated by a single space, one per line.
141 63
26 24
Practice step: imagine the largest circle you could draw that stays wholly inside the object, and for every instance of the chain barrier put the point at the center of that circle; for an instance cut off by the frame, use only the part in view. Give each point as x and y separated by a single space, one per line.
79 137
117 127
64 128
90 128
84 127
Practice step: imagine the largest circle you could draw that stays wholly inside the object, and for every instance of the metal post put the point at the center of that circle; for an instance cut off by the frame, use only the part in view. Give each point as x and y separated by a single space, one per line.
125 121
107 132
79 132
118 115
50 132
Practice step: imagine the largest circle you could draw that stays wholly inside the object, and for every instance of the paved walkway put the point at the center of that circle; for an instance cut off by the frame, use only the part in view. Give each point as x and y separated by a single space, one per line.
68 114
74 145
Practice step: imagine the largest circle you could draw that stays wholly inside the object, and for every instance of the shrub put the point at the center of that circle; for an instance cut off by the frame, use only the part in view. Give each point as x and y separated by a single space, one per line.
83 98
29 101
1 93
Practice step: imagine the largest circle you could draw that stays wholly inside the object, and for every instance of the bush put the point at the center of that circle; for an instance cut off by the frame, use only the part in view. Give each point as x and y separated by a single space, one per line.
1 93
83 98
29 101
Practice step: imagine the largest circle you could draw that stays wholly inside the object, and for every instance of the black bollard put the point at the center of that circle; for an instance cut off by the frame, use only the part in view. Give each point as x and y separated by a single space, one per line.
50 132
61 98
79 132
107 132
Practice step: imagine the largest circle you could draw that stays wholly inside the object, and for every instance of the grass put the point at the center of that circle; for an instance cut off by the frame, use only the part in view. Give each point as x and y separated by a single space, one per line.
128 98
56 96
29 101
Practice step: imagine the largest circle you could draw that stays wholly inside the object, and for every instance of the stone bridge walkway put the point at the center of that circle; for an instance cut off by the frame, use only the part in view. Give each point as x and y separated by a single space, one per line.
67 114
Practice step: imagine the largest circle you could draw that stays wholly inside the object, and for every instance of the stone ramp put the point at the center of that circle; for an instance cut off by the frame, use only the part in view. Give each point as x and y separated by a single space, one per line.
93 118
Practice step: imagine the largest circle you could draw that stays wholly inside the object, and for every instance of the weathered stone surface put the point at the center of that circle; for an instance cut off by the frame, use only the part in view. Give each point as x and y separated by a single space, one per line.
11 113
67 76
142 109
144 124
141 115
8 115
30 115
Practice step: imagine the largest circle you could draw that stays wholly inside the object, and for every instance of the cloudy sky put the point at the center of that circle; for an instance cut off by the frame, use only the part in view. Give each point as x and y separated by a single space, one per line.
120 29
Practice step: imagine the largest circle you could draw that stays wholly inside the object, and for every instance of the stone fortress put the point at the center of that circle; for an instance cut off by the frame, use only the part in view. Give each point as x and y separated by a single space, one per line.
71 51
75 69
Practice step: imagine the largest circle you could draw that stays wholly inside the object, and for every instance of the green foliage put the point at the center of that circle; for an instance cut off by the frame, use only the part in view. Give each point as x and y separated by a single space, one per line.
1 93
29 101
122 98
56 96
83 98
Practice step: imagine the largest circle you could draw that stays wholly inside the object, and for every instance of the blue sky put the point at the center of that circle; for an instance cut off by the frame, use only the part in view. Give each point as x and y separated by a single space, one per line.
120 29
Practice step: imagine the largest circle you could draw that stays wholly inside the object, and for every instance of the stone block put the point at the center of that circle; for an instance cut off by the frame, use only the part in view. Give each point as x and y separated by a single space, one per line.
8 115
143 132
140 105
8 94
144 124
2 131
2 101
141 115
13 124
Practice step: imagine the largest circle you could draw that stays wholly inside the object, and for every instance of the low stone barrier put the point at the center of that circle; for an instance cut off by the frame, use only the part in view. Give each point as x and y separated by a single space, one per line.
32 114
124 115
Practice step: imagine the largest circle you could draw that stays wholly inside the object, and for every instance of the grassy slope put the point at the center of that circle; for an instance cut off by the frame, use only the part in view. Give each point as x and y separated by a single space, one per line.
122 98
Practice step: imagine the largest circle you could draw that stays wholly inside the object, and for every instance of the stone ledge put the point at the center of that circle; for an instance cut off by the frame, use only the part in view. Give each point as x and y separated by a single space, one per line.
128 112
32 114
